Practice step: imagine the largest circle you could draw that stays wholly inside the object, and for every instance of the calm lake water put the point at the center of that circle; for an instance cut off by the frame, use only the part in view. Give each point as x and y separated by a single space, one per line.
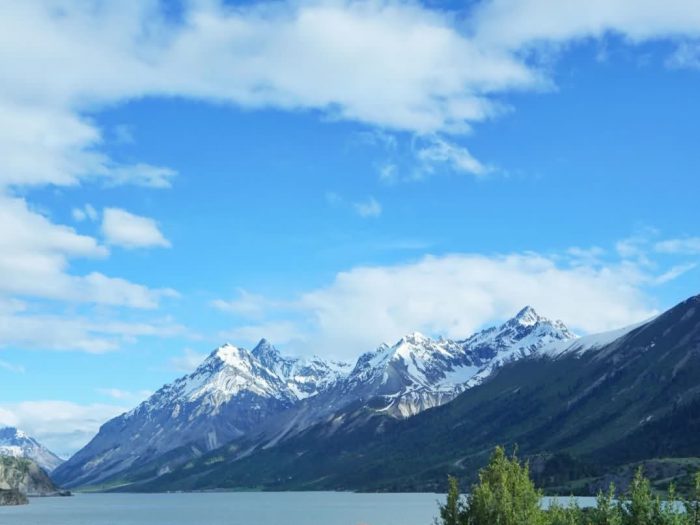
229 508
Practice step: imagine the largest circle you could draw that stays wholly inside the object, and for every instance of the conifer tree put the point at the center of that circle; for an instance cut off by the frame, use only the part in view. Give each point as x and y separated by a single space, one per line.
504 495
453 511
638 508
606 511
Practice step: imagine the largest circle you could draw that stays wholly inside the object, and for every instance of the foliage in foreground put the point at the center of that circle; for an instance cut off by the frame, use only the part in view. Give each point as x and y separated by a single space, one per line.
505 495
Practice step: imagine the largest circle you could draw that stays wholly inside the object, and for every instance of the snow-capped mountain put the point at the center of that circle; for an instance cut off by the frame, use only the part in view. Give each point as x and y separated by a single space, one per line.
260 393
16 443
419 373
230 394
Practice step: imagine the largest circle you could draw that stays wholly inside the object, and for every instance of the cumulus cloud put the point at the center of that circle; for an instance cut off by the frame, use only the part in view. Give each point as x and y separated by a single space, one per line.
62 426
125 229
35 255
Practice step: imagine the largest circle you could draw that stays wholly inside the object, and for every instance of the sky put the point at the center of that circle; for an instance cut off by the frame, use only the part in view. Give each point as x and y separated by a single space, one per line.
328 175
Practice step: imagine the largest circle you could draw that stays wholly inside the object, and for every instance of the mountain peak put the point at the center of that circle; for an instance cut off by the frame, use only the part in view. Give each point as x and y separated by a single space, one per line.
264 347
528 316
228 354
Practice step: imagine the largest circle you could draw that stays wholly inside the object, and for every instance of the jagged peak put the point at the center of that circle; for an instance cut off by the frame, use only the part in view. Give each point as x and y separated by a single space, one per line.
265 348
528 316
262 345
228 354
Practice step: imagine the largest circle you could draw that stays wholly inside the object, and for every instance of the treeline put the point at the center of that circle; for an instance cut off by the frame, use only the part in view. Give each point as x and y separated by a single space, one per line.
506 495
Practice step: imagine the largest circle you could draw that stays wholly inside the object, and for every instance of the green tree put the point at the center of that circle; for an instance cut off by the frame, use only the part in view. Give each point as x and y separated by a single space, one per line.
453 512
557 514
504 495
606 511
669 512
638 506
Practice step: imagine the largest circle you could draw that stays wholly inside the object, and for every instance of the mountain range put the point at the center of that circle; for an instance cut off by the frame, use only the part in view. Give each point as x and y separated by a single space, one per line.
583 410
236 394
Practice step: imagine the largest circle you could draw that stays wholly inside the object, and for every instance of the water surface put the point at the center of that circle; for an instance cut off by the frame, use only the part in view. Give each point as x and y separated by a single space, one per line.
227 508
233 508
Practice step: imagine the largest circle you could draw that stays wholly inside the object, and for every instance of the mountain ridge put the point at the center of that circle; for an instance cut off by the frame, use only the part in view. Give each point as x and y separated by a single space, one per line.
235 393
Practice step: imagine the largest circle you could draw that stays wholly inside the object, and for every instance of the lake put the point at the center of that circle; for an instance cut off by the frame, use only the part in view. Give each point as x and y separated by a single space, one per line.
230 508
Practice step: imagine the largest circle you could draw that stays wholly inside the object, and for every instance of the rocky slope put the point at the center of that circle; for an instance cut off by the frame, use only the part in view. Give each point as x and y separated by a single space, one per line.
25 476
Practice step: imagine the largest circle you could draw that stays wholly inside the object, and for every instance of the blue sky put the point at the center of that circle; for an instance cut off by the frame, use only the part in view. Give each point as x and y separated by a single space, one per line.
328 175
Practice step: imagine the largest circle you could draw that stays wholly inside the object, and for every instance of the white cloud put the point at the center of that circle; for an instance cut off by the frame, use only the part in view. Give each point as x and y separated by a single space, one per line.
188 361
674 273
518 23
62 426
454 295
125 229
389 64
440 151
369 208
141 175
34 260
684 245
